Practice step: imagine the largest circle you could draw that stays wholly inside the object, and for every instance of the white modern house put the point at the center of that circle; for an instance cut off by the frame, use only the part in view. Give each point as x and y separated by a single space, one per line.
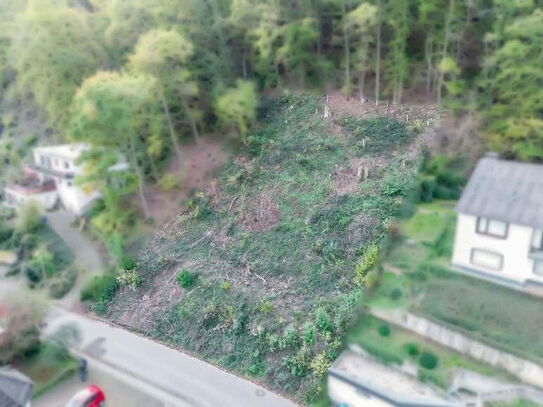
499 230
49 180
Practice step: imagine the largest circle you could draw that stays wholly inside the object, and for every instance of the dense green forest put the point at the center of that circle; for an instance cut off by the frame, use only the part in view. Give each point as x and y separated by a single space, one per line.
138 77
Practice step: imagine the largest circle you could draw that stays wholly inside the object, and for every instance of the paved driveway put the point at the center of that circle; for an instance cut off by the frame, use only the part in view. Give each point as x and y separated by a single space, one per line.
86 253
172 374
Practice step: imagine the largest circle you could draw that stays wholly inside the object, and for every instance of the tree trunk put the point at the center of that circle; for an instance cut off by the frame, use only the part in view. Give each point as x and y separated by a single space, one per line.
173 135
347 52
363 68
139 175
441 79
193 126
244 63
429 67
378 54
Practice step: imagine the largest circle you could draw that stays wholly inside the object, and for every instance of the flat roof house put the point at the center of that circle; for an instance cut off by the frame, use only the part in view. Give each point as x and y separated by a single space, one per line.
499 229
50 180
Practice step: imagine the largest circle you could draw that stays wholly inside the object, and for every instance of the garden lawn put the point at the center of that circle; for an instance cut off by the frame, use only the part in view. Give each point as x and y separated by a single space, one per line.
392 345
502 317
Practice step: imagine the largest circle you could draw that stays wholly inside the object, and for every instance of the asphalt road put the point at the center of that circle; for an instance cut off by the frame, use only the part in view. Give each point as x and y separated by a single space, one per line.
119 390
171 376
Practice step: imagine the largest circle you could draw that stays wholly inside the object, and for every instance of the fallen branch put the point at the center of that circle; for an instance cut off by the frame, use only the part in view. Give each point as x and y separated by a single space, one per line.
232 203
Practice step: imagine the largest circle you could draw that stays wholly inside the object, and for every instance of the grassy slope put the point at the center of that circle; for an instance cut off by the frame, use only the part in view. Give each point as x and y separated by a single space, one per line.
275 247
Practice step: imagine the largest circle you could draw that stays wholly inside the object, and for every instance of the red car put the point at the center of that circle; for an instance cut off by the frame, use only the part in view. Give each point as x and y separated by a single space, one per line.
91 396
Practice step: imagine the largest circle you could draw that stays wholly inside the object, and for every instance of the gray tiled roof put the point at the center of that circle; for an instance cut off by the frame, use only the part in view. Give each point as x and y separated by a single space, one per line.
15 388
505 190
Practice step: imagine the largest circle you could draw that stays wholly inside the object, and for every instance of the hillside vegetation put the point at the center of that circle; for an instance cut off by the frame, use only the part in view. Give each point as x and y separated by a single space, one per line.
261 271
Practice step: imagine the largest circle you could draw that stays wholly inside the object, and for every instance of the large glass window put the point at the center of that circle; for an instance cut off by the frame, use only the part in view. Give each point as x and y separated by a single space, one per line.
486 259
492 227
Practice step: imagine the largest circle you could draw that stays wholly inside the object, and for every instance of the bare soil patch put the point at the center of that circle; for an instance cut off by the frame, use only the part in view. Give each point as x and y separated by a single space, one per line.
259 212
195 172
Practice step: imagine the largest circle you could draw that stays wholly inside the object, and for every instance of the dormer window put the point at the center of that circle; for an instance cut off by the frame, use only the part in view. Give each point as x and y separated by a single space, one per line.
492 227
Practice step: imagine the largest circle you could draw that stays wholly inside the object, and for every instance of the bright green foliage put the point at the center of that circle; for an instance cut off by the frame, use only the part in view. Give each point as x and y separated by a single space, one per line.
236 107
28 217
110 112
53 49
186 279
100 287
320 364
367 262
515 123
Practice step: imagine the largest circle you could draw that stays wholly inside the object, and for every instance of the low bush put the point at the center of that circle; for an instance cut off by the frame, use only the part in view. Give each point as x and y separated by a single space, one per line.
384 330
309 333
100 287
412 349
186 279
428 360
395 294
322 320
60 285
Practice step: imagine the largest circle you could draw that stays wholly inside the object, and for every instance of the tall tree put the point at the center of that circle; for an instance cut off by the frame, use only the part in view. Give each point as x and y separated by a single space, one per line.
109 112
165 55
236 107
514 109
399 20
53 49
361 23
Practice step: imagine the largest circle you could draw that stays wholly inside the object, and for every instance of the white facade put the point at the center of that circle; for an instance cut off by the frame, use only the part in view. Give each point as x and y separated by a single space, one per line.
59 163
14 197
498 249
51 179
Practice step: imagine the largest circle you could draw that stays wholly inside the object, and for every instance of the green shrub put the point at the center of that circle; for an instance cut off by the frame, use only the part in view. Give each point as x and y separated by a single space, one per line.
412 349
395 294
60 285
309 333
100 287
428 360
322 320
185 278
225 285
384 330
168 182
289 338
298 364
366 263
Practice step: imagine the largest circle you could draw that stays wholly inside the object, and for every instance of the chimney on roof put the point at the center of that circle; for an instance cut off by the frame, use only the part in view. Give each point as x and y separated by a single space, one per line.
492 154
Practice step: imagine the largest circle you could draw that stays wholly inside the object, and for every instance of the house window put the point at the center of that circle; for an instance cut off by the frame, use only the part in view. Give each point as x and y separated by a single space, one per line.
537 240
492 227
538 267
66 164
487 259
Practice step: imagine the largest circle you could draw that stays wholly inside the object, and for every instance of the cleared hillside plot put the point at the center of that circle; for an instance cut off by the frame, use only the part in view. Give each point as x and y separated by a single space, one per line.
256 273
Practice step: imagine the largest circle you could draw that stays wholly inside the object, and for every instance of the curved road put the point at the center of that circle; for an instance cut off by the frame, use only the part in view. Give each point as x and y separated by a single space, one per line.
179 380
